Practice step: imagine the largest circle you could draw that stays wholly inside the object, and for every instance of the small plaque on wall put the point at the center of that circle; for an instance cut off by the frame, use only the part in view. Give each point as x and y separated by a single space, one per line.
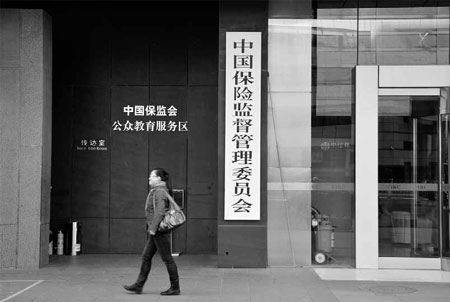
91 145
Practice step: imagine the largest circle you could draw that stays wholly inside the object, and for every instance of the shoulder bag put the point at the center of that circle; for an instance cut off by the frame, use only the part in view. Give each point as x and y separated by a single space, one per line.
174 216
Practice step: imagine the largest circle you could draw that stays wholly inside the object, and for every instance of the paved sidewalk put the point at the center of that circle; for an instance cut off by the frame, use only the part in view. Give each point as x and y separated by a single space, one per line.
100 278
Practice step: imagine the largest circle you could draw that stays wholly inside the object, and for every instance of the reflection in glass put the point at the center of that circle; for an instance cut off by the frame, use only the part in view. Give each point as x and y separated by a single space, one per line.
403 36
332 150
289 141
313 49
408 158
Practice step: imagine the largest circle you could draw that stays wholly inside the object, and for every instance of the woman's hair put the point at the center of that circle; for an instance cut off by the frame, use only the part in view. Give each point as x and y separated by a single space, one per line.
165 176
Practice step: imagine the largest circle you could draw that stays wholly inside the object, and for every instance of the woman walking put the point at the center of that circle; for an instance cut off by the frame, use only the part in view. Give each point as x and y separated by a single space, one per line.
155 207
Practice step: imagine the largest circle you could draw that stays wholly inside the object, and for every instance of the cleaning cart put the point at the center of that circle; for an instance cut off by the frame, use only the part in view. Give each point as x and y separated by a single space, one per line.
322 237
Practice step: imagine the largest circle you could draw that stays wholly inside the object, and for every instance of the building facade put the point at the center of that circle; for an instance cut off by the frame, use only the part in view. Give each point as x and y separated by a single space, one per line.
349 149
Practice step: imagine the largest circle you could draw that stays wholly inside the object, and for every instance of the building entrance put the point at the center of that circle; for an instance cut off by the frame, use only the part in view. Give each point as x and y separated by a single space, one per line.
407 112
135 88
408 173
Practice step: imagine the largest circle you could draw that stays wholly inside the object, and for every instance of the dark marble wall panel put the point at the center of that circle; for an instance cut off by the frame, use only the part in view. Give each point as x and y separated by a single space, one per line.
242 246
168 96
203 45
127 235
202 104
179 242
90 169
202 236
90 184
94 235
130 64
202 171
83 47
168 53
201 186
154 56
168 149
91 115
202 56
129 155
202 206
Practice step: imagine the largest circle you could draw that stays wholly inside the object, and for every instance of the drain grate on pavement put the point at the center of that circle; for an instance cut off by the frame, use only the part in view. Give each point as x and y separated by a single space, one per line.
389 290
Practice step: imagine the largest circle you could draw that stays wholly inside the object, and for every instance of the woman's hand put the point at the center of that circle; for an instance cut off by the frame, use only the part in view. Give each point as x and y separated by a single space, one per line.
152 233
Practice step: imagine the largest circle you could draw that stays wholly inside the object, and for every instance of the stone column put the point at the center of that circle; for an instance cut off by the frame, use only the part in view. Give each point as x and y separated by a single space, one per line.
242 243
25 137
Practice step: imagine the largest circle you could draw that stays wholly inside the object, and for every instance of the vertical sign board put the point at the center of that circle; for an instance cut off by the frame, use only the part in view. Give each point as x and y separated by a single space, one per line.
242 126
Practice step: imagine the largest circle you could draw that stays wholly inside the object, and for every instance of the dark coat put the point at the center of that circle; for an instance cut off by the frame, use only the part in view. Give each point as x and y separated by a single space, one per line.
154 214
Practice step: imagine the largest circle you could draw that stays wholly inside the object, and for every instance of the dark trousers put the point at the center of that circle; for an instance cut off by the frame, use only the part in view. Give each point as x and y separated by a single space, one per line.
161 243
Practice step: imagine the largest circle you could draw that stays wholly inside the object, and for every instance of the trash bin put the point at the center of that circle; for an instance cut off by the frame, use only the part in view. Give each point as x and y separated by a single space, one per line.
401 227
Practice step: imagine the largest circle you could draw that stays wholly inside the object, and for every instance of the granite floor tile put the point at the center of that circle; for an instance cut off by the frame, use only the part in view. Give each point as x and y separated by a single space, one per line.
99 278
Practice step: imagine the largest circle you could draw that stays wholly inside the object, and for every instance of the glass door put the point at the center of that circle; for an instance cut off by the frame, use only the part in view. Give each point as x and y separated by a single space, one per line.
408 175
401 206
445 172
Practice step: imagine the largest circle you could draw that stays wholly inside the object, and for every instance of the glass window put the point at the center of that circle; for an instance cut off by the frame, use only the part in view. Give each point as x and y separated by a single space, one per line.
403 36
289 142
332 166
310 146
313 49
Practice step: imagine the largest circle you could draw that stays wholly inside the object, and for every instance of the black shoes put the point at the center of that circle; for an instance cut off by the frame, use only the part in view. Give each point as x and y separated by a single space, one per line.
133 288
171 292
174 289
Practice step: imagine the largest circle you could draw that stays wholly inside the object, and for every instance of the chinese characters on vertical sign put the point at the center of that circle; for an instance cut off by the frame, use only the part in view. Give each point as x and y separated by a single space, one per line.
242 125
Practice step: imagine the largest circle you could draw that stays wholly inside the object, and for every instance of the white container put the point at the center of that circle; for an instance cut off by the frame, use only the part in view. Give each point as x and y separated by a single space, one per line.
60 244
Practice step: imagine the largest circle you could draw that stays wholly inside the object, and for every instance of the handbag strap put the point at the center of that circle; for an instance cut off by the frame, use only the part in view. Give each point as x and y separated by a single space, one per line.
172 204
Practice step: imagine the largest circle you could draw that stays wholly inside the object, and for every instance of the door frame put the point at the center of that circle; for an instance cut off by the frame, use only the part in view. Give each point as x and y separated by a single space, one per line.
445 261
370 82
